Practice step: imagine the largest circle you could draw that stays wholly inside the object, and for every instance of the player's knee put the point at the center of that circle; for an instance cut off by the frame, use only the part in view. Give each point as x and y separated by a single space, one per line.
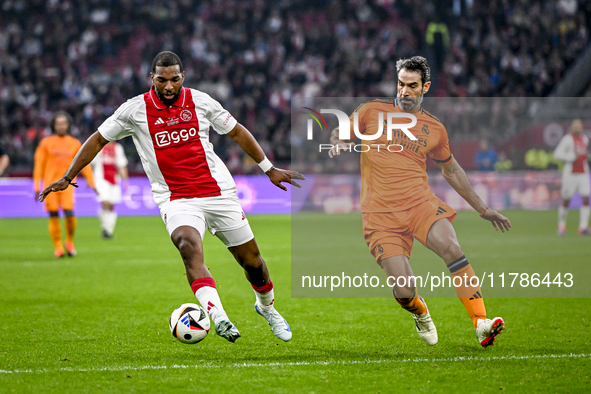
404 293
188 246
68 212
451 251
251 260
248 255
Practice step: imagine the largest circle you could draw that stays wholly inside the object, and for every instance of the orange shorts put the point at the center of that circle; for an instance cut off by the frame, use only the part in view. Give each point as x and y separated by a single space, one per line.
391 233
63 199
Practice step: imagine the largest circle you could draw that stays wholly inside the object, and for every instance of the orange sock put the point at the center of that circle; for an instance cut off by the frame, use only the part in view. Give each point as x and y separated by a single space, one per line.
413 305
70 228
55 232
471 296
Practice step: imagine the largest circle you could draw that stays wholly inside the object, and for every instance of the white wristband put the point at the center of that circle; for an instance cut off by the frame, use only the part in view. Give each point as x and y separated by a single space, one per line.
265 164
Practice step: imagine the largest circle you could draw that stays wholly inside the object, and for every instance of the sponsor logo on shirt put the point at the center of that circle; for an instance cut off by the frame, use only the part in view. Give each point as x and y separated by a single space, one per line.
165 138
159 121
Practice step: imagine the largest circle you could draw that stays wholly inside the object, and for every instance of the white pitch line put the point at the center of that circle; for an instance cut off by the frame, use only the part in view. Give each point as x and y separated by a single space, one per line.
296 363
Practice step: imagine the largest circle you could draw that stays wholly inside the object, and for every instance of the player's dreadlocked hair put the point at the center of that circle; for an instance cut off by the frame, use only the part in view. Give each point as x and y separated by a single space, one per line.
166 59
57 115
416 63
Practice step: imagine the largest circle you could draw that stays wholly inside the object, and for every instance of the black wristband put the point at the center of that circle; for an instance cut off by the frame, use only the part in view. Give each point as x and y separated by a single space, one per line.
70 181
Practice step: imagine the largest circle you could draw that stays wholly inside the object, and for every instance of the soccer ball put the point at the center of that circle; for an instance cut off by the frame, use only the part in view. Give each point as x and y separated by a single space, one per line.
189 323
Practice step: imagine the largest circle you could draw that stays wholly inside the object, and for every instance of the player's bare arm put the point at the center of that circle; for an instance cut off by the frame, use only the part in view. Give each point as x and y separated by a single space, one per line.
124 174
87 152
4 161
251 147
457 178
338 145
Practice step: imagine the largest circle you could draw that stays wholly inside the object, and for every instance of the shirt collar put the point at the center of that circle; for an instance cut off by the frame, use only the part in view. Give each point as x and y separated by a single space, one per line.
160 105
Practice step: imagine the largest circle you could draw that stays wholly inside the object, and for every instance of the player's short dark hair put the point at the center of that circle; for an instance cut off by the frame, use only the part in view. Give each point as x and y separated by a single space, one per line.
166 59
418 64
57 115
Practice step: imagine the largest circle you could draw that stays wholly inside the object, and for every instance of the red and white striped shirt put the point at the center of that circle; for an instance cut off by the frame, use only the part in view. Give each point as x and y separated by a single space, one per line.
572 150
106 164
173 143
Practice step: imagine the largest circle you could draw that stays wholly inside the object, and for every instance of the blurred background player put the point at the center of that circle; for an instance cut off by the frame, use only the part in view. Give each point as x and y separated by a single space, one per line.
4 160
109 168
573 151
398 205
52 158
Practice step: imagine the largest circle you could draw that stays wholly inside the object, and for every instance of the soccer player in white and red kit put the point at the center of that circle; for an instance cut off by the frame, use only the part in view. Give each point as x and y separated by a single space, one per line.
573 150
109 168
191 185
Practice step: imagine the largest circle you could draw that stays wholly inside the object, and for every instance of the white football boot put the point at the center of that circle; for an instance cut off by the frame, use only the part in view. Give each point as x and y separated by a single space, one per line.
487 330
278 324
425 326
225 328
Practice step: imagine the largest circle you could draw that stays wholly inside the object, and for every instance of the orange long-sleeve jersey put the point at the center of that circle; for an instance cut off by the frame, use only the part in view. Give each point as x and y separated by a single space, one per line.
53 157
391 180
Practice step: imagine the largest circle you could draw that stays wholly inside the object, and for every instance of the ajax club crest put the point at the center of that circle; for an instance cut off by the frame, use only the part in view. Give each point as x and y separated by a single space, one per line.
186 115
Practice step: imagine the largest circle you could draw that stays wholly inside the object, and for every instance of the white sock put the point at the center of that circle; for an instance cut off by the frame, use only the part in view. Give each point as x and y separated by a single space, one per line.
210 300
111 221
103 216
584 217
562 214
266 300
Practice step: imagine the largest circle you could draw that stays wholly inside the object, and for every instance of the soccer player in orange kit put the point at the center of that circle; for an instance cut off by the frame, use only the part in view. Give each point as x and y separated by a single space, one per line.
52 158
398 205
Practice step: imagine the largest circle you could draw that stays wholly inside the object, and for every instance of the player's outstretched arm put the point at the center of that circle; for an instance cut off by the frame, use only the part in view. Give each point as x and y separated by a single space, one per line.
251 147
457 178
87 152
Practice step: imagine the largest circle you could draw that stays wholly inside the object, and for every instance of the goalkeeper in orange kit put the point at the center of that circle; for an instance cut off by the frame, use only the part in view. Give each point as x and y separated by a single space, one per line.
52 158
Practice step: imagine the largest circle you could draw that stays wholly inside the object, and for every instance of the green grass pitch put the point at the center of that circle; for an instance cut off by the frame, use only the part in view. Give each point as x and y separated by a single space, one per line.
98 322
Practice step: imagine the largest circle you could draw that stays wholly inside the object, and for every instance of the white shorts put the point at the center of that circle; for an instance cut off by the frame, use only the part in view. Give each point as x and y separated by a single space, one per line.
572 183
108 192
223 216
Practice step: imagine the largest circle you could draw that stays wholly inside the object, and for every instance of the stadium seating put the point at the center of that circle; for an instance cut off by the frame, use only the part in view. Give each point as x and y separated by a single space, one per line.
87 57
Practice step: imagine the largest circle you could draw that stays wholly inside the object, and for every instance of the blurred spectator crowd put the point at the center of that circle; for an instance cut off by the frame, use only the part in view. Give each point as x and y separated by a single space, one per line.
255 57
